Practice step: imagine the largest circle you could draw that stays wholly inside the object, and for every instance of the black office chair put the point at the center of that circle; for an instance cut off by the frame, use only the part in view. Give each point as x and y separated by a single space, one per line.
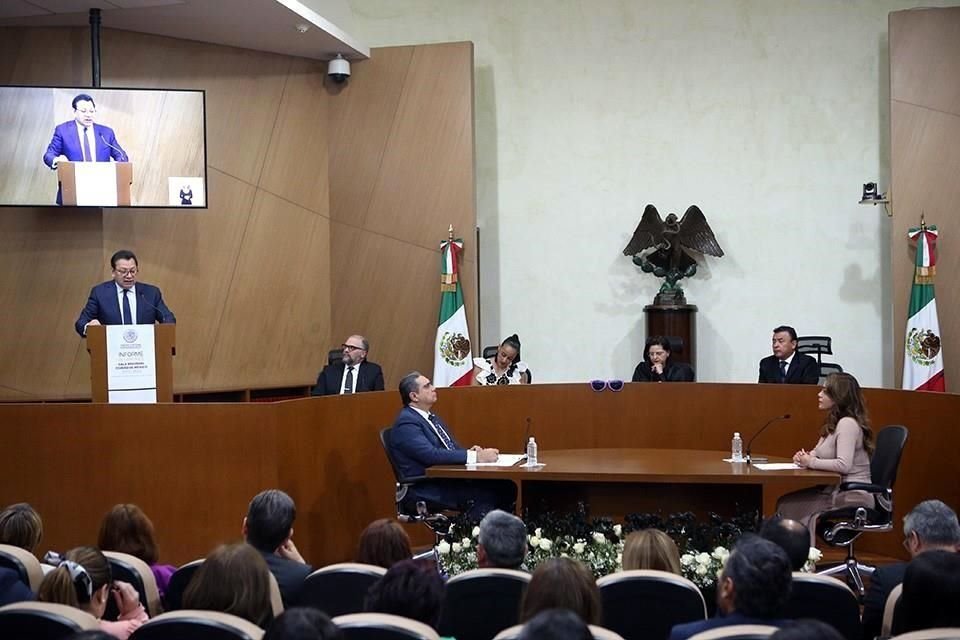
826 368
841 527
818 345
408 508
500 592
173 597
647 604
825 599
334 356
339 589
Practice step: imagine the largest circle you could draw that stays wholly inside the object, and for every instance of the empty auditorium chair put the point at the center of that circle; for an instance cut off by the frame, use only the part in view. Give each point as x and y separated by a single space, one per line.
646 604
339 589
500 592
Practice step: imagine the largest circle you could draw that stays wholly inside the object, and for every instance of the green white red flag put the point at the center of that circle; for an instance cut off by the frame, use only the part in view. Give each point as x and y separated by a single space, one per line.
923 353
453 362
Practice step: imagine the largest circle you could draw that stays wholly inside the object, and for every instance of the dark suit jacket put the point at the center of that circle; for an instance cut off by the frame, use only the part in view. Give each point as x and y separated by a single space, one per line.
689 629
104 305
66 142
368 378
802 370
289 574
882 582
673 372
11 588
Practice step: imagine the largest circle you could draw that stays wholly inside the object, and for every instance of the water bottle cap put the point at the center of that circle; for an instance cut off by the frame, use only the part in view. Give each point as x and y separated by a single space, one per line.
736 434
531 439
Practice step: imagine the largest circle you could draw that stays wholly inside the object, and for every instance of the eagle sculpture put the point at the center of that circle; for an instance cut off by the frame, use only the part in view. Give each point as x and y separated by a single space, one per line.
657 247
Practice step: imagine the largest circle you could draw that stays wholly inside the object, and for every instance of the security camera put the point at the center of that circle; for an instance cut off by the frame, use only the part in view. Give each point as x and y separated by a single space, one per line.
338 69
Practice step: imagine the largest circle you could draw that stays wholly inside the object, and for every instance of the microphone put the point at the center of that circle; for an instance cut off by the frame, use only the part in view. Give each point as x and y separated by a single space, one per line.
749 459
143 299
122 153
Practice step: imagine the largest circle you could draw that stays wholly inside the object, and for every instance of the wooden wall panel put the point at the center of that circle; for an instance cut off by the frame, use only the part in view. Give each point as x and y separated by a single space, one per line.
925 160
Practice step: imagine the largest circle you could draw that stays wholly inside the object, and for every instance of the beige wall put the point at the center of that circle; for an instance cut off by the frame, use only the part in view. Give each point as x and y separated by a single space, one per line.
251 279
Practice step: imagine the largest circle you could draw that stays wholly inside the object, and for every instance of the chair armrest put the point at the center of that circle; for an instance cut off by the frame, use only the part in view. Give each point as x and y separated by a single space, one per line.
862 486
413 479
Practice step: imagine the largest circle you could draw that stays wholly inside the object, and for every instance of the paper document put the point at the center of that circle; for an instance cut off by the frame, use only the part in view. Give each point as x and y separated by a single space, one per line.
777 466
503 460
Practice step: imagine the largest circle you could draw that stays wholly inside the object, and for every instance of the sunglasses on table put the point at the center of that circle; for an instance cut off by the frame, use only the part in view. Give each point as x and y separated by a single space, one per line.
600 385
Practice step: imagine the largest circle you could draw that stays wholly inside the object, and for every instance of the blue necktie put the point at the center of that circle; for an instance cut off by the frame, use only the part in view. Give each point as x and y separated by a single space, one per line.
783 371
86 146
444 438
127 314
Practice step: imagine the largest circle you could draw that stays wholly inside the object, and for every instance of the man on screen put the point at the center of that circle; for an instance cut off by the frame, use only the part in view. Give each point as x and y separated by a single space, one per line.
80 140
123 300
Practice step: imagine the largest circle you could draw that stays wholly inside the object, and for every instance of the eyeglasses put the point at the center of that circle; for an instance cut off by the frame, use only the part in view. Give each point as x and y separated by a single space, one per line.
350 347
126 272
600 385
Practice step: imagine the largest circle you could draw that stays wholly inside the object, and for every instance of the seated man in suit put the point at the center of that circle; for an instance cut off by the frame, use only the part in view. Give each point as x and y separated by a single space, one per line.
418 439
268 528
123 300
786 366
930 526
753 588
353 374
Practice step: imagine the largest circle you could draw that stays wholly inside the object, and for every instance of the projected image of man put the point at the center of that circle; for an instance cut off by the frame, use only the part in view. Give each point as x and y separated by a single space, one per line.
82 140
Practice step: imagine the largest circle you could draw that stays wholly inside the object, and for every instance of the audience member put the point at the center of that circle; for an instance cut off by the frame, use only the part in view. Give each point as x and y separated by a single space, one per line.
303 623
844 447
562 583
786 366
931 591
753 588
505 367
233 579
384 543
268 528
83 580
791 536
656 365
807 629
410 589
127 529
21 526
503 541
12 588
651 549
555 624
930 526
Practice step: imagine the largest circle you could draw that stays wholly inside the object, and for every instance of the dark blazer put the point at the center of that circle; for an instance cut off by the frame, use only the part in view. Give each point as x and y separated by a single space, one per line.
803 369
882 582
689 629
368 378
290 575
66 142
103 305
673 372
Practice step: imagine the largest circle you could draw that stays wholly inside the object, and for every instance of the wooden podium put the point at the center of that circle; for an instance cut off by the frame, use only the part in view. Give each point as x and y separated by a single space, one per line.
164 346
95 184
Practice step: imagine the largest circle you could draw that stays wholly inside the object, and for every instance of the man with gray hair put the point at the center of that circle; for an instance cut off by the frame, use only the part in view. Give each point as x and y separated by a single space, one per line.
931 526
352 373
503 541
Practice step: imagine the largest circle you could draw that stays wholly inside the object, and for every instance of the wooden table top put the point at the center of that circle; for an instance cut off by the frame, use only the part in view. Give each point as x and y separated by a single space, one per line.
688 466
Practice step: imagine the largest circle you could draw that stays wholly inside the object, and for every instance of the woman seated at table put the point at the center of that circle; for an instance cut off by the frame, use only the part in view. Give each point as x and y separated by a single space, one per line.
845 447
656 365
505 367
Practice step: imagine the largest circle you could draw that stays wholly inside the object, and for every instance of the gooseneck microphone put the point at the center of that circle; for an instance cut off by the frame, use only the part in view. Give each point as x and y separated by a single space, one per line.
748 457
115 148
163 315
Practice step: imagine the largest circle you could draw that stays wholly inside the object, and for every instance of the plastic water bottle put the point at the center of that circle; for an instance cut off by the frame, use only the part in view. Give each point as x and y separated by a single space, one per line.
532 452
736 448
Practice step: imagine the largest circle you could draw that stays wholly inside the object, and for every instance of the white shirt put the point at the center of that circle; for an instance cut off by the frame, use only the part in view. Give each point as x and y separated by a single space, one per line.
471 455
90 138
133 301
356 374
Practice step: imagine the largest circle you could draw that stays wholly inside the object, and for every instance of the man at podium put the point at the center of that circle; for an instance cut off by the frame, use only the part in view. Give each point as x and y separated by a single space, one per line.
123 300
80 140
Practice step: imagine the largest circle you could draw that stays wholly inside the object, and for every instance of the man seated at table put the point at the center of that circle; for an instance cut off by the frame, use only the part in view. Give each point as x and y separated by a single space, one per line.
753 588
786 366
419 439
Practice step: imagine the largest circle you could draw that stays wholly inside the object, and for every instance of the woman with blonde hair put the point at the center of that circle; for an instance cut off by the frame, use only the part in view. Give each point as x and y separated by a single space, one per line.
845 446
83 580
651 549
127 529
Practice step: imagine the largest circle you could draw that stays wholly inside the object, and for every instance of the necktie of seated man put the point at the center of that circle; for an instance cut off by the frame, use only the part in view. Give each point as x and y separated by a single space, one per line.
348 383
783 371
445 439
87 156
127 314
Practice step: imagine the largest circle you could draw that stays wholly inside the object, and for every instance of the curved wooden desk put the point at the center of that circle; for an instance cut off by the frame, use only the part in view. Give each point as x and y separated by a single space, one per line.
619 481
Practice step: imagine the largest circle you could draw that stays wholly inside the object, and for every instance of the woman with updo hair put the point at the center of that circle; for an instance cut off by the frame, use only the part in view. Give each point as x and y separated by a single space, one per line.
504 367
83 580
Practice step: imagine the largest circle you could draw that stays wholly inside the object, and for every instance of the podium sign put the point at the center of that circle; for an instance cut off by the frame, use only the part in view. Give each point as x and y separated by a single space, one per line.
131 364
95 184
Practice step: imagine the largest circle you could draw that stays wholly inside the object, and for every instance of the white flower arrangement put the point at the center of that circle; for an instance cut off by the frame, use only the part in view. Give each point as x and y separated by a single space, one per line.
813 557
703 568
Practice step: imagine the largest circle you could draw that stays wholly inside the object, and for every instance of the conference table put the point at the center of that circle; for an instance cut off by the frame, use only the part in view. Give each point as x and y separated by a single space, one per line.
615 482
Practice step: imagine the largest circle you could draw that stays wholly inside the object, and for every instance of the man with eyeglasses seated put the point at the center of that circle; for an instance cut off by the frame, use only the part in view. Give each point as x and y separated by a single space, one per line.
352 374
123 300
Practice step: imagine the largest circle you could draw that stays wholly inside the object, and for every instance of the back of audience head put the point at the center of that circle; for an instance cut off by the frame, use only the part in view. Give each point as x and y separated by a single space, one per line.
82 580
931 591
931 525
384 543
789 535
233 579
269 520
410 589
562 583
303 623
756 579
556 624
807 629
503 541
651 549
21 526
127 529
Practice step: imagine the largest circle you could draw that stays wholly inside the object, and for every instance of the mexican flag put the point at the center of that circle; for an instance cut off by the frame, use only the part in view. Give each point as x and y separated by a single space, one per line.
452 364
923 354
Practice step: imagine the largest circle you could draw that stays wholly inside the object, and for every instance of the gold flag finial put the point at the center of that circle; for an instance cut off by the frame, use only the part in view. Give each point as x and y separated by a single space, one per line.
450 233
923 224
